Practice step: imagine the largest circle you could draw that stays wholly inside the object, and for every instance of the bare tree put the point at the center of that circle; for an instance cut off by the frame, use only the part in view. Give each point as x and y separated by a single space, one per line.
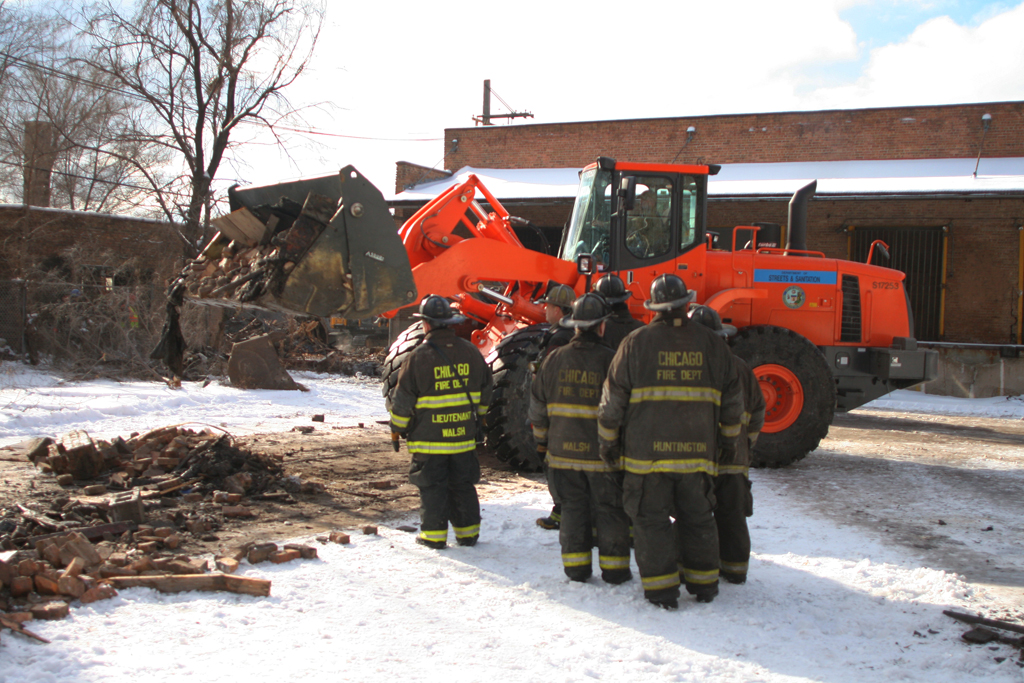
202 67
91 126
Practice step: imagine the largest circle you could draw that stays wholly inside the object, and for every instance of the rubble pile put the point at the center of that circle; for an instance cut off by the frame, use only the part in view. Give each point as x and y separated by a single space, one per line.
121 479
255 250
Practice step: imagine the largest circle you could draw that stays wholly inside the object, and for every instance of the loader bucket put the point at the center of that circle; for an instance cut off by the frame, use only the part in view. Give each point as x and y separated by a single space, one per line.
341 257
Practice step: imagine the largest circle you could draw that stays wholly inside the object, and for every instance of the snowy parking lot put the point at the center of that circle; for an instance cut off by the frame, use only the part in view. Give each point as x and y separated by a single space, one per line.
911 506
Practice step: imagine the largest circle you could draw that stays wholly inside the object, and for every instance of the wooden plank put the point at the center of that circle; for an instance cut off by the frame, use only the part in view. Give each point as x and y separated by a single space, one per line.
179 583
996 623
93 533
18 628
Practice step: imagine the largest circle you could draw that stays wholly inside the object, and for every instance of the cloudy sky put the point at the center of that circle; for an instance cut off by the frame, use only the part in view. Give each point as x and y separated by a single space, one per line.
394 75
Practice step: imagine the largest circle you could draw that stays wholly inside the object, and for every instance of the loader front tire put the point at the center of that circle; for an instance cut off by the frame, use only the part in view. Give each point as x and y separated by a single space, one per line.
405 343
507 424
799 392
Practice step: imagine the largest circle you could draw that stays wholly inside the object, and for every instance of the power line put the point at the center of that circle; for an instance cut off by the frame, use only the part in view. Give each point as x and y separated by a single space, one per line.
134 95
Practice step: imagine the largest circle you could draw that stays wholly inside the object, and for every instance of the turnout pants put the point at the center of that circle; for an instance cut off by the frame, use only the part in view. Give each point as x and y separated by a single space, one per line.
734 504
447 494
592 500
664 549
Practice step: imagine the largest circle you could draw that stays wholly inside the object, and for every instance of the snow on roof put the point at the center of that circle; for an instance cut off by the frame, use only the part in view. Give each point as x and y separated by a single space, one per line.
835 178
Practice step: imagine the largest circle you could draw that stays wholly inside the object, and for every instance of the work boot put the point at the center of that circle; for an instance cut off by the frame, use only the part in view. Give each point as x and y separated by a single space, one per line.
616 576
468 540
436 545
706 596
738 579
548 523
665 603
577 574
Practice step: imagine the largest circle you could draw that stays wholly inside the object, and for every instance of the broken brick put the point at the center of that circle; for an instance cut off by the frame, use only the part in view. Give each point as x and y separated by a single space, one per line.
100 592
21 586
282 556
227 565
71 586
49 610
370 530
261 552
74 568
307 552
45 585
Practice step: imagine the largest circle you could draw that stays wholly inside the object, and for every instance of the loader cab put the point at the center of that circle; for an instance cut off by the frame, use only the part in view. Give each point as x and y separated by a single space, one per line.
631 216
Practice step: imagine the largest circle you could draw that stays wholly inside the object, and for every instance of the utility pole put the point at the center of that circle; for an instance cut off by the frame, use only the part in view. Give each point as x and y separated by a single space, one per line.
485 118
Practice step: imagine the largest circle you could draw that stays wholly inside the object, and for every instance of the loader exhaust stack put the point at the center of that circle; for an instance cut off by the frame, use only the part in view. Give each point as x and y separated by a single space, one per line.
796 235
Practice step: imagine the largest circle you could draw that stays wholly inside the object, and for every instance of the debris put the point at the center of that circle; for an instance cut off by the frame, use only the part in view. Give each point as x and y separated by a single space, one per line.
196 582
303 429
996 623
254 364
339 537
261 552
370 530
7 621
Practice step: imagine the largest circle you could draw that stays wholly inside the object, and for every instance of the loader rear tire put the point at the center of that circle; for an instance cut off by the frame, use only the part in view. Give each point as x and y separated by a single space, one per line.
407 341
507 424
799 390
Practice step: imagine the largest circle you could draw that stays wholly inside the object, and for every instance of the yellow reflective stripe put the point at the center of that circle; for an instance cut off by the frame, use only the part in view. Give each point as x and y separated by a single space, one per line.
697 576
447 400
745 418
606 433
734 567
440 446
653 583
399 421
613 562
734 469
576 559
752 437
669 466
579 464
729 430
434 535
704 394
540 433
481 409
572 410
467 531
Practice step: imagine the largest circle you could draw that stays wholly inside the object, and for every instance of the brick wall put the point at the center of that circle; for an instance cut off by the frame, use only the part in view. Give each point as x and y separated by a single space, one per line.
408 174
935 132
28 235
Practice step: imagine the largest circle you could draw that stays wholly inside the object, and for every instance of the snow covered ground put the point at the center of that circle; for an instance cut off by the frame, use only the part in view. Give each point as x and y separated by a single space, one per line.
825 601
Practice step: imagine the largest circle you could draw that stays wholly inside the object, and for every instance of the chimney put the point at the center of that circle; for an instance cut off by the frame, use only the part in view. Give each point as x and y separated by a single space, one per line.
39 159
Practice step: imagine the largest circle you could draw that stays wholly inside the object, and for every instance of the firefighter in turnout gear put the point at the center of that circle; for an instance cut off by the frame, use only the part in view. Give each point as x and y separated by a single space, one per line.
557 307
563 412
443 391
622 321
734 502
671 399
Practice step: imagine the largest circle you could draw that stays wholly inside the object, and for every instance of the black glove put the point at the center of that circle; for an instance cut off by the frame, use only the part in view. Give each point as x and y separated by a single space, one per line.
395 443
611 455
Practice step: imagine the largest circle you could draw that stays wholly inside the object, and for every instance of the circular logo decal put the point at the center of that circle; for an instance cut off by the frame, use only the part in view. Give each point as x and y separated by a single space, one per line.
793 297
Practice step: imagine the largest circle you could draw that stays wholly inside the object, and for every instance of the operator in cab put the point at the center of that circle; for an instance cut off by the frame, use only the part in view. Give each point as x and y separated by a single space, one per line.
442 393
672 399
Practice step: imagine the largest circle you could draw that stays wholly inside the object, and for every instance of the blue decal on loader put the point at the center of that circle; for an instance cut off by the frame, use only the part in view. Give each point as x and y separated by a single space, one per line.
790 277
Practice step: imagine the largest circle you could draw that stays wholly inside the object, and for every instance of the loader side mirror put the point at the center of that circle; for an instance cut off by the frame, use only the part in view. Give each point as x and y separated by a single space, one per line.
627 193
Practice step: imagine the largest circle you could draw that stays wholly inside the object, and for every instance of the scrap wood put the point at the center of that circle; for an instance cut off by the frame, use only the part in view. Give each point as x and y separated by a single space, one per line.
93 533
178 583
18 628
996 623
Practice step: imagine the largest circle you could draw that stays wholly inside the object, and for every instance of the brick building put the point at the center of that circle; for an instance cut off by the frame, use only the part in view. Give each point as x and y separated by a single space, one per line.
905 175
